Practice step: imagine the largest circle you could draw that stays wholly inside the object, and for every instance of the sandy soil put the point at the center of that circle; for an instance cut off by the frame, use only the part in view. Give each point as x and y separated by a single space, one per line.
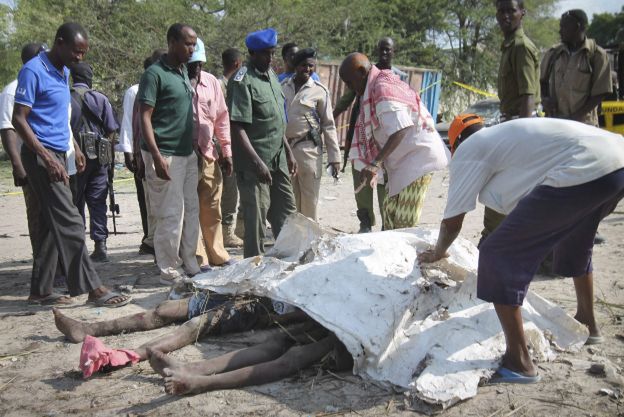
39 368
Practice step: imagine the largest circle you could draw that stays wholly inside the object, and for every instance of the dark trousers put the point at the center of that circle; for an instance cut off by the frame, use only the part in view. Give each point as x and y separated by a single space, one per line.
261 202
60 233
92 189
33 210
138 182
229 199
33 215
364 199
562 220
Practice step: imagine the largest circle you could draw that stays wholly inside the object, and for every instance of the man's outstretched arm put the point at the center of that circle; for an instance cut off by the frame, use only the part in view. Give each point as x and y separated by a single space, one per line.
449 230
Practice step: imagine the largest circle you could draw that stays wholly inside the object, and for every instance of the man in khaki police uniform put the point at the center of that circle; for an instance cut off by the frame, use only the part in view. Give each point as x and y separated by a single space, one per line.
518 76
309 110
262 157
576 75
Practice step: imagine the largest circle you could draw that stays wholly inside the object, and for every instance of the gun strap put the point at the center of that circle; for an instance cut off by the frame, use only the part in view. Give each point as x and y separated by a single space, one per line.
86 114
310 115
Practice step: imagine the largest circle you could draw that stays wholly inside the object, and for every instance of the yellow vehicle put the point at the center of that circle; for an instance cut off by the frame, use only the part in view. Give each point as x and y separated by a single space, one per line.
612 116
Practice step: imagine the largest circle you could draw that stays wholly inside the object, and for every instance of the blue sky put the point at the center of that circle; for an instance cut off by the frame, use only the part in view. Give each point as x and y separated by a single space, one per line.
590 6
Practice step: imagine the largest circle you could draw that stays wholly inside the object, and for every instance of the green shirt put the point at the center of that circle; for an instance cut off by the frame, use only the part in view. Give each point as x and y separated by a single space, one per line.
518 73
256 101
168 90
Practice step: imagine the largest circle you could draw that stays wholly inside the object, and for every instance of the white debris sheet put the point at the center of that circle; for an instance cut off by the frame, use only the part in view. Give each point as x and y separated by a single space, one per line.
418 328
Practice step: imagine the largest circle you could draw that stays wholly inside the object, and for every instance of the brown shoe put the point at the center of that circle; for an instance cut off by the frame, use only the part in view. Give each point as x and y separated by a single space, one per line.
230 240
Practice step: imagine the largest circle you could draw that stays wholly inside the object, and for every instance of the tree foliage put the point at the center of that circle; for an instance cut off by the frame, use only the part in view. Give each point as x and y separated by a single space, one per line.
607 29
459 37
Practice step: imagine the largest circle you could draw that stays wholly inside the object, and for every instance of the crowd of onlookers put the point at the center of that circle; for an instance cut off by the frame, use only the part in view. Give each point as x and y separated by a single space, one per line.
204 148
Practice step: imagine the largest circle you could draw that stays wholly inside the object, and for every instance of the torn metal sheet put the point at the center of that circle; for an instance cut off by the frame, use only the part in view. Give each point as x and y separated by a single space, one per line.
420 329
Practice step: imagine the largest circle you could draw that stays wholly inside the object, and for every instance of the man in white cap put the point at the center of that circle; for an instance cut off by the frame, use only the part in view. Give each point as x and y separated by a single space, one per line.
211 118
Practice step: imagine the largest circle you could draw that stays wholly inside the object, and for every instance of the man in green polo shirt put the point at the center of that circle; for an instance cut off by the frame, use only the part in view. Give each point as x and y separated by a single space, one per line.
262 157
166 116
518 76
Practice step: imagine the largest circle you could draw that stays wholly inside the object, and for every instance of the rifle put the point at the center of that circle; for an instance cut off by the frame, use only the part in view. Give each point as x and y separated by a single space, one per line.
355 112
98 147
113 206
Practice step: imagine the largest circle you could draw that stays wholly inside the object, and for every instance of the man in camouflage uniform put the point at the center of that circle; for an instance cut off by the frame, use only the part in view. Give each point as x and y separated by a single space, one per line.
576 75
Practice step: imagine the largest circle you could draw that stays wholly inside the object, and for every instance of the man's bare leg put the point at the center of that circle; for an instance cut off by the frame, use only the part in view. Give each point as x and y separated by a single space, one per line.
240 358
584 287
516 356
165 313
295 358
188 332
263 352
181 336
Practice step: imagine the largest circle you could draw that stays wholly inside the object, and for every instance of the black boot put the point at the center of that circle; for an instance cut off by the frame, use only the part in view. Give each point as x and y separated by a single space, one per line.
365 221
99 253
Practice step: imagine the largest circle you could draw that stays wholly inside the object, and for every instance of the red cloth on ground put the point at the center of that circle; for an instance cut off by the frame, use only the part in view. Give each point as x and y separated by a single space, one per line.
94 355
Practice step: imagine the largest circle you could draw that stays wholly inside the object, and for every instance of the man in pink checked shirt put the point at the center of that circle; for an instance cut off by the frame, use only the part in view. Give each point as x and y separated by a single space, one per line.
211 119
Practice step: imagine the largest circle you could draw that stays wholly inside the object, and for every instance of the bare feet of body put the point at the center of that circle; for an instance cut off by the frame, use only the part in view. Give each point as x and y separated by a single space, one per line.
72 329
179 383
160 361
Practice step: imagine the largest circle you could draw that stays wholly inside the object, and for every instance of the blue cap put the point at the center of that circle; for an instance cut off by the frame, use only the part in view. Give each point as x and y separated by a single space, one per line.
200 52
261 39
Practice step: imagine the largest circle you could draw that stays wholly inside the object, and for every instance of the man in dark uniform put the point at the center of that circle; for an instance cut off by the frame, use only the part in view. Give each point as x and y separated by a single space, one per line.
262 157
92 113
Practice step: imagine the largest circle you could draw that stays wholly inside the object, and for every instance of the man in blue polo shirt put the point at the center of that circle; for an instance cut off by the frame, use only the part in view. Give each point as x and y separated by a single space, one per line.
40 117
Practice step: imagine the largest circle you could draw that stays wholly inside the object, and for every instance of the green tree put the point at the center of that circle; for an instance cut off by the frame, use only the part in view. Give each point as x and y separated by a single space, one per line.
459 37
470 41
607 28
9 56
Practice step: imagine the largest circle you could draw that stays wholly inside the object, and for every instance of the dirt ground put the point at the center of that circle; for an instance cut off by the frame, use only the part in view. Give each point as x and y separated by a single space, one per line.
39 368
